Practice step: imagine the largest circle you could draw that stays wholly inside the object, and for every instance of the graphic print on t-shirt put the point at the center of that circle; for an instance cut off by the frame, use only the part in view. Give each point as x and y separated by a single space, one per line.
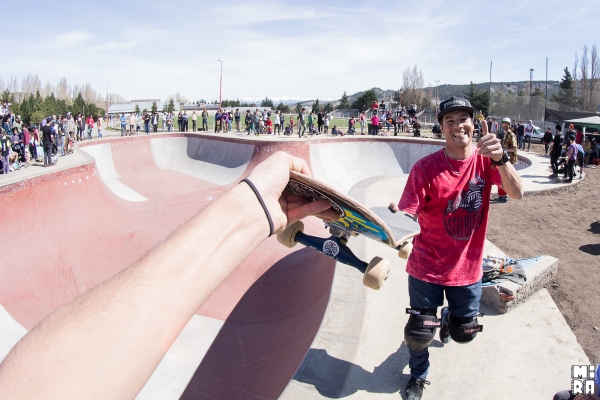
464 215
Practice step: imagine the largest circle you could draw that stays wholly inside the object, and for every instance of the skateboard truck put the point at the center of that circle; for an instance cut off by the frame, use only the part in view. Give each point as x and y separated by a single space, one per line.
374 273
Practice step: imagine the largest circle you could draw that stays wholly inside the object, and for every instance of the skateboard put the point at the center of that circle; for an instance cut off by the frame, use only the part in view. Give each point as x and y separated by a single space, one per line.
378 223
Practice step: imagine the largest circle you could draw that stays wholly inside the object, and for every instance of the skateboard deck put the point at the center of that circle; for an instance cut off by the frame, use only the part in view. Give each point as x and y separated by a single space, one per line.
378 223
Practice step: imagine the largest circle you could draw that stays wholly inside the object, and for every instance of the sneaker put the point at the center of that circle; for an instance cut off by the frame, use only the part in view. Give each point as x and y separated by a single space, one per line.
414 388
501 199
444 330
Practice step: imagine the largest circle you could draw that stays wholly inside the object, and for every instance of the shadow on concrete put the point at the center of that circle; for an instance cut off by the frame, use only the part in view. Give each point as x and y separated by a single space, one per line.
266 336
595 227
591 249
335 379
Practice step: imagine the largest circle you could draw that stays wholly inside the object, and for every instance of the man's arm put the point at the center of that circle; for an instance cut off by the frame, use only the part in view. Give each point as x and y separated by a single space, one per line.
489 146
106 343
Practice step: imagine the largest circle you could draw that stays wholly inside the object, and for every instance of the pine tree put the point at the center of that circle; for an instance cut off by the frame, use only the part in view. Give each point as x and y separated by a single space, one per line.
344 102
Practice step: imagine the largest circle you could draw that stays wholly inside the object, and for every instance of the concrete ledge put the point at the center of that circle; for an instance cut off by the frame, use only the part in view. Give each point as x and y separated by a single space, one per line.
506 296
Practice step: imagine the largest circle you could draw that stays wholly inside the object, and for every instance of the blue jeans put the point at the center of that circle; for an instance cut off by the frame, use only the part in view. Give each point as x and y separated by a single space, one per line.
147 127
463 301
521 142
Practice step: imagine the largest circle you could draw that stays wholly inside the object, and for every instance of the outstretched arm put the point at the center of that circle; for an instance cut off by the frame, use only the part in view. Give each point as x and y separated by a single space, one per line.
107 342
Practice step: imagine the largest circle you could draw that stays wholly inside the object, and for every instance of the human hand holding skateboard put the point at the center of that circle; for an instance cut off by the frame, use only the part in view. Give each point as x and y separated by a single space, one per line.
271 177
489 145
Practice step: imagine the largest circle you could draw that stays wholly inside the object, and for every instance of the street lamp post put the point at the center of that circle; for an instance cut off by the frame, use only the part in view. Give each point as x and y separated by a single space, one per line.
107 100
221 83
436 97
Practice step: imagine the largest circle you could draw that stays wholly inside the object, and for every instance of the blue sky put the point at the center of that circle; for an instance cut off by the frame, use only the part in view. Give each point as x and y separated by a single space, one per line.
304 49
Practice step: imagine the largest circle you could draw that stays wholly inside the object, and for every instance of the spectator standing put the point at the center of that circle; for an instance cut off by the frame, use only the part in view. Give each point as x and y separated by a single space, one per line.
571 158
547 140
301 123
63 143
494 127
282 121
169 122
555 152
132 121
570 132
520 135
218 118
185 121
146 119
80 126
48 142
90 126
320 122
311 122
5 147
229 121
123 124
509 144
587 149
98 126
154 122
361 119
248 121
374 107
238 117
291 124
194 120
326 120
276 123
204 120
528 132
374 125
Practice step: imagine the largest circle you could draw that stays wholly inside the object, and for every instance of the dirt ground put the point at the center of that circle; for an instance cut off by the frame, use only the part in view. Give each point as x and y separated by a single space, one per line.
565 225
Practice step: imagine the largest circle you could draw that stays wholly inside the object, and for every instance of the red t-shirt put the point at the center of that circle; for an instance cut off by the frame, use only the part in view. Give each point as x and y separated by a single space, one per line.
579 137
375 120
452 211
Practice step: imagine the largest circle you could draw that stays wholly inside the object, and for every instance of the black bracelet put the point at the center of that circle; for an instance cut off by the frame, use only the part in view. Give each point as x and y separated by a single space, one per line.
262 203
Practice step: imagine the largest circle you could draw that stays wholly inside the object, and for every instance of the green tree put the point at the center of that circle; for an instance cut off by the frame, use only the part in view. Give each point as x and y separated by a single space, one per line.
567 96
363 102
267 103
327 108
284 108
479 100
316 107
78 105
298 107
154 107
344 102
136 110
171 105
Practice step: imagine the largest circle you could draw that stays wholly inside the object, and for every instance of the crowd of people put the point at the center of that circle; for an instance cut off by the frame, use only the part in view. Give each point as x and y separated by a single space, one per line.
22 143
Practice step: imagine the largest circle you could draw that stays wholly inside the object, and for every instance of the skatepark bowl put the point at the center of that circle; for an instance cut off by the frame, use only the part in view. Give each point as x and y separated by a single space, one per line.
286 324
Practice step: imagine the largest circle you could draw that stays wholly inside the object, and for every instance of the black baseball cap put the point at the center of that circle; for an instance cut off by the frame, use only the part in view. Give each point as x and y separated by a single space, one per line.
453 104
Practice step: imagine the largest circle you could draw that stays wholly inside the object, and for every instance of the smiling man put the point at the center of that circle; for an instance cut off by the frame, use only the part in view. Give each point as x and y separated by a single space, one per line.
449 193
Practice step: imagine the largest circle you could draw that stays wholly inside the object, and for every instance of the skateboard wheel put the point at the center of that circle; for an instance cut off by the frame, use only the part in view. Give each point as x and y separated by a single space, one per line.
288 236
376 273
405 250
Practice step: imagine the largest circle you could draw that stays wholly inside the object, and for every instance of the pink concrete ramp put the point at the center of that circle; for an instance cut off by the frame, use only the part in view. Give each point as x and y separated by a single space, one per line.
70 230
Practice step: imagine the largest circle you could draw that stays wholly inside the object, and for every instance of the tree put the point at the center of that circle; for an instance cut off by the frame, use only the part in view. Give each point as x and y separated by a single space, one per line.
171 105
285 109
316 107
136 110
154 107
267 103
327 108
298 107
566 96
479 100
344 102
363 102
587 80
412 86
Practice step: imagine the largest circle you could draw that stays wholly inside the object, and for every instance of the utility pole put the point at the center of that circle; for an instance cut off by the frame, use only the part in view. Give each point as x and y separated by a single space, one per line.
436 97
221 84
530 90
546 99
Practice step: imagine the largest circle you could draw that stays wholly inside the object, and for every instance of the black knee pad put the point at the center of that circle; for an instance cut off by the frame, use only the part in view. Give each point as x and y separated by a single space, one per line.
420 328
463 329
